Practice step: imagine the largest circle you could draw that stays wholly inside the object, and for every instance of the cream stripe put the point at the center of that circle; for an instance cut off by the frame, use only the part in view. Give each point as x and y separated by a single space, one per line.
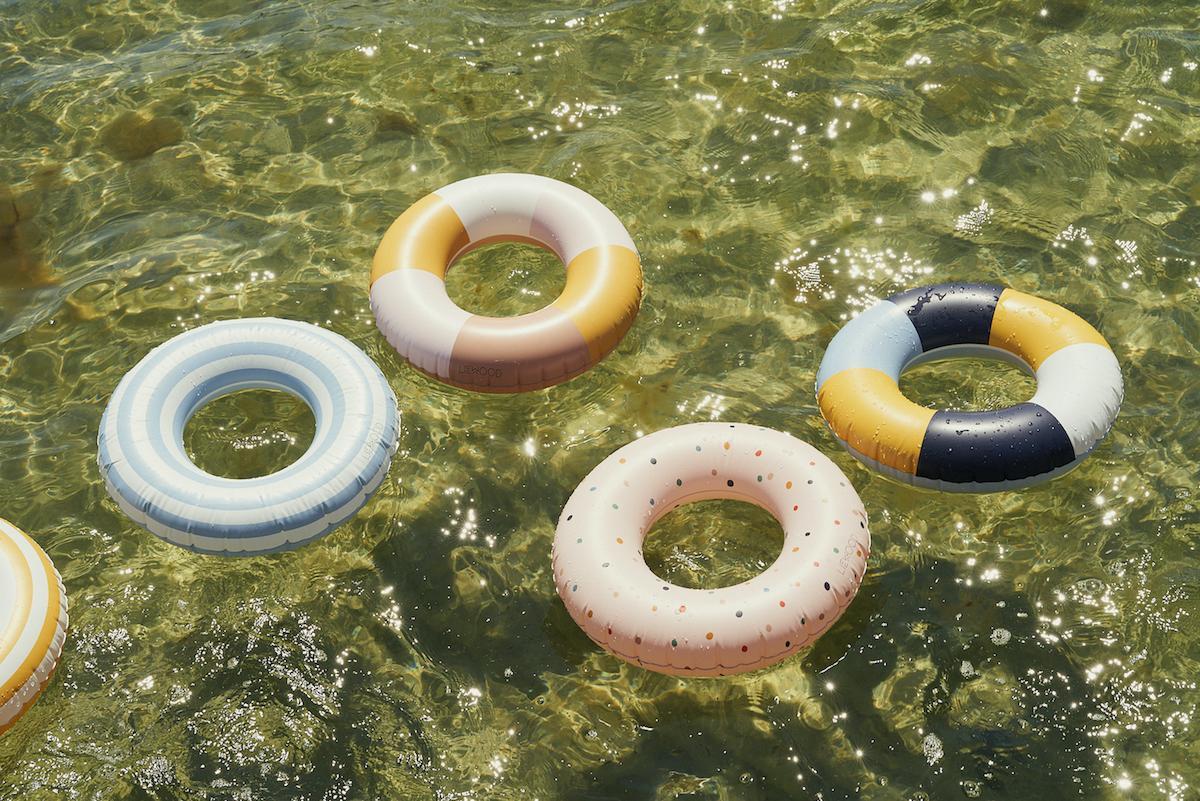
17 599
494 205
43 625
418 318
33 613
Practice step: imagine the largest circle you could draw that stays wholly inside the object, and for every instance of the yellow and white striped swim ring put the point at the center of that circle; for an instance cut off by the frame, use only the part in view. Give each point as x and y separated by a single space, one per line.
506 354
33 622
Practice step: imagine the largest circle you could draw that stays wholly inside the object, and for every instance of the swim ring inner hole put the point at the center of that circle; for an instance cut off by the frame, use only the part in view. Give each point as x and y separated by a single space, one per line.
980 378
713 543
244 401
699 486
249 433
505 279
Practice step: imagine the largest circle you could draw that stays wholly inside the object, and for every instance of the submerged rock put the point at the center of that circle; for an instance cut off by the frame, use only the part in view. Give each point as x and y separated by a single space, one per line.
391 124
21 263
135 134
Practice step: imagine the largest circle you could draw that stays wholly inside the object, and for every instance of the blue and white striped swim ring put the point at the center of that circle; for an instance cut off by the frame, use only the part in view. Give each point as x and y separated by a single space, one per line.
147 472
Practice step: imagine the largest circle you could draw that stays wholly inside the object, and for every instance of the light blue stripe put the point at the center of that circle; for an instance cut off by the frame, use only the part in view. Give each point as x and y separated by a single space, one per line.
881 338
296 472
168 352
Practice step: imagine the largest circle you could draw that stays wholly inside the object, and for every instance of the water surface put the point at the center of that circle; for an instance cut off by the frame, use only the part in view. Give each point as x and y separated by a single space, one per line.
781 165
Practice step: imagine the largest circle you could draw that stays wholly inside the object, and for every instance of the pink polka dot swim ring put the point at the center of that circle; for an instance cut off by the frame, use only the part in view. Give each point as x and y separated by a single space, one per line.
612 595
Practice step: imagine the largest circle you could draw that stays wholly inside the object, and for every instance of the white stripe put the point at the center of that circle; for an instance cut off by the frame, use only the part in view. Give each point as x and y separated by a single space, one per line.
8 586
418 318
1081 386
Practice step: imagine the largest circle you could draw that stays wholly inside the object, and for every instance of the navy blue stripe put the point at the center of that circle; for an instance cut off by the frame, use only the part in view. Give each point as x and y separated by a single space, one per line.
950 314
1004 445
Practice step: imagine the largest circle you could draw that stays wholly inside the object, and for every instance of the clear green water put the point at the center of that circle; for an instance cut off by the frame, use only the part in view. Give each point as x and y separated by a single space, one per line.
780 165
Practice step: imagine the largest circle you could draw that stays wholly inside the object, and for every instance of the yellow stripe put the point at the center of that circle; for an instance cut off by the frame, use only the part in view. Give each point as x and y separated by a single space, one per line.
866 409
602 295
425 237
49 624
1033 328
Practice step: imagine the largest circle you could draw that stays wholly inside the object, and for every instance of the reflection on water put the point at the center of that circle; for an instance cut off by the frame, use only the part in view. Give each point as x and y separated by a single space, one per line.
781 166
713 544
250 433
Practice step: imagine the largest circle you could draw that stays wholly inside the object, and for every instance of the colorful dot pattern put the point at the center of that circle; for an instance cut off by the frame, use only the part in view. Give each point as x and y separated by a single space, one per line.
638 617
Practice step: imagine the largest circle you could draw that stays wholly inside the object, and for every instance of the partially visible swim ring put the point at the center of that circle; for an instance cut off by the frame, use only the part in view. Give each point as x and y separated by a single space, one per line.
603 579
506 354
141 453
33 622
1079 388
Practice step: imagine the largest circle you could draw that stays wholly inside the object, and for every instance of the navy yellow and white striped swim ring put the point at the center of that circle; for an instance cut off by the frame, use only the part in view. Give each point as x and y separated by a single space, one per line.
141 451
33 622
1079 388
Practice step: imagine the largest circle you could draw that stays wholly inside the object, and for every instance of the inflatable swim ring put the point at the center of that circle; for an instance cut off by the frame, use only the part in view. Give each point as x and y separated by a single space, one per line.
506 354
33 622
141 453
1079 388
611 593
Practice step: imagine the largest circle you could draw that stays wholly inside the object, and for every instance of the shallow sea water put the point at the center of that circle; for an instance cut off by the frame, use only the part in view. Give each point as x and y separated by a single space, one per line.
780 165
